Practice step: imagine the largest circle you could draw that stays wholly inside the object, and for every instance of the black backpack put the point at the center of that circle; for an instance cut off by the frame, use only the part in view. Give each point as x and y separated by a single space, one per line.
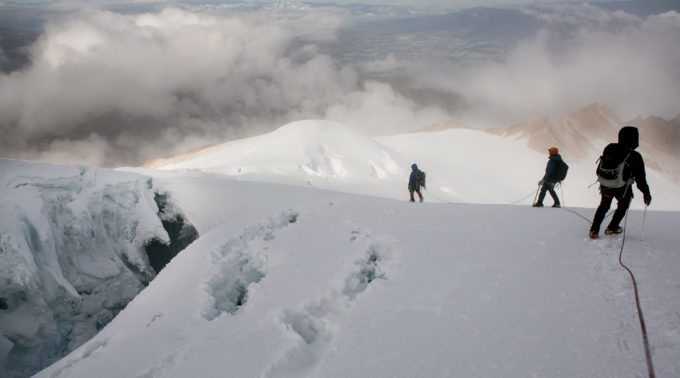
560 172
420 178
611 167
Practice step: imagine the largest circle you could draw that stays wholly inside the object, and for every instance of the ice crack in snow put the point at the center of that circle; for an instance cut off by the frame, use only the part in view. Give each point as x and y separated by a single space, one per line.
313 322
241 262
367 273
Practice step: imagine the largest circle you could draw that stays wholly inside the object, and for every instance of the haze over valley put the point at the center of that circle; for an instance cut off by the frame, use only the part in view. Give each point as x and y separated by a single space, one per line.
118 85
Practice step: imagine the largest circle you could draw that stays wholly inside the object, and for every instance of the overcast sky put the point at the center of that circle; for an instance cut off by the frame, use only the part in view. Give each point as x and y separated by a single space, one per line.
118 88
416 3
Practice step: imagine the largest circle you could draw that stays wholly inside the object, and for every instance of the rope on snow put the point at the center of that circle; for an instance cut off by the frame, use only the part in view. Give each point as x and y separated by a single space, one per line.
645 338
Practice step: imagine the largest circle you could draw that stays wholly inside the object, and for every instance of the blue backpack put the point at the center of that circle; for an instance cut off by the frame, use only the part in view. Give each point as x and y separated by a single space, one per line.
560 172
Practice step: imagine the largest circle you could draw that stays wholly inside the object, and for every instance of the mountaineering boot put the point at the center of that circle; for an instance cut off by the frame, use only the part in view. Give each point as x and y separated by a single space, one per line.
412 200
421 199
556 205
593 235
617 230
537 205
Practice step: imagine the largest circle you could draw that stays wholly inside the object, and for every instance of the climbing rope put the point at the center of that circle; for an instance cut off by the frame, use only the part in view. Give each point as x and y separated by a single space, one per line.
570 210
645 338
577 214
442 200
609 214
535 192
525 197
465 203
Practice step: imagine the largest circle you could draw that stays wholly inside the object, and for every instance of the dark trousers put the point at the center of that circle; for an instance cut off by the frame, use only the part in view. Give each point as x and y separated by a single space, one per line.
623 197
416 189
548 187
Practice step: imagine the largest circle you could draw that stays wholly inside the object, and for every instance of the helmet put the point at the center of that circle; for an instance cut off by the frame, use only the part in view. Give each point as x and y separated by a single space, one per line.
553 150
414 166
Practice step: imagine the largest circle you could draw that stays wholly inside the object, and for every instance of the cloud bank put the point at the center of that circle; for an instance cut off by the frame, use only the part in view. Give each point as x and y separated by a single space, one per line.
131 87
113 89
629 64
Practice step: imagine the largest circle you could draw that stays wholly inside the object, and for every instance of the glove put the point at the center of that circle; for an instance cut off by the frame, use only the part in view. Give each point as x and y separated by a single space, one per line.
648 199
541 182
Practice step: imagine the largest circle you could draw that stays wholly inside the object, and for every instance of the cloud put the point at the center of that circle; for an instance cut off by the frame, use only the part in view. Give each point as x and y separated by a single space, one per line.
93 150
161 78
378 108
578 15
116 89
379 66
631 66
157 84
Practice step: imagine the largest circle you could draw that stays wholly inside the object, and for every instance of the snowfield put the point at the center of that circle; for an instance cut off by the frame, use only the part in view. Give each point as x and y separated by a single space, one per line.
311 283
311 263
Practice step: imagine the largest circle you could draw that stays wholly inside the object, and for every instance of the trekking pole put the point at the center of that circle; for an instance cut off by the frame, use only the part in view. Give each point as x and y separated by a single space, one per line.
536 196
644 217
562 193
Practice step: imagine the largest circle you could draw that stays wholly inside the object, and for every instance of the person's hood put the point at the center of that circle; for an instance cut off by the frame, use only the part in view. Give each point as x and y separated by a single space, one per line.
414 167
629 137
555 157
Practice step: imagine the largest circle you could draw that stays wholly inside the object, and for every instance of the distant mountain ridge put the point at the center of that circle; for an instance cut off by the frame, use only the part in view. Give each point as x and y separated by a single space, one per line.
576 134
587 131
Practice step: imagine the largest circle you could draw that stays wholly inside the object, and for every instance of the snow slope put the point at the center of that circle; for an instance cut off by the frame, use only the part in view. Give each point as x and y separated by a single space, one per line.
462 165
311 262
288 281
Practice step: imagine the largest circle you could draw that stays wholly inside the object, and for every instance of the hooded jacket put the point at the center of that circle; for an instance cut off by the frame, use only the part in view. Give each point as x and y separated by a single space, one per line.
412 182
629 139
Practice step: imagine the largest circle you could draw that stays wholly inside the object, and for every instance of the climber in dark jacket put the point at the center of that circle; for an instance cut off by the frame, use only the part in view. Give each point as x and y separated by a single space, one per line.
633 171
548 182
413 184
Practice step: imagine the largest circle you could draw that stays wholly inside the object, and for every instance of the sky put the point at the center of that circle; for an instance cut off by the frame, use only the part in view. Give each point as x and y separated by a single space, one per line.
419 3
121 86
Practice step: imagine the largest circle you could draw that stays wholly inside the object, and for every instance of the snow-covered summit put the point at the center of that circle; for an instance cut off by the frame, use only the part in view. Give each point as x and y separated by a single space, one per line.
317 153
317 149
